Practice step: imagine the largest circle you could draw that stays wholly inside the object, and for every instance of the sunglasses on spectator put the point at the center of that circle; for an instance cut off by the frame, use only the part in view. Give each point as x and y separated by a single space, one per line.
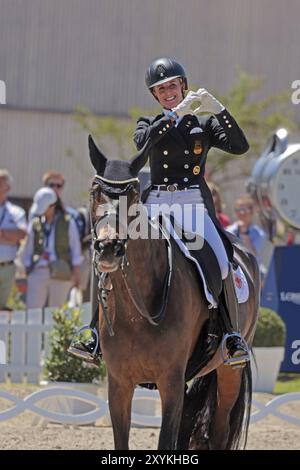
243 209
55 185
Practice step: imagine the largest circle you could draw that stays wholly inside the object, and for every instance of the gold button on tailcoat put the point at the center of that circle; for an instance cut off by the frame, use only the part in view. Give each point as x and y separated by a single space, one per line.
196 170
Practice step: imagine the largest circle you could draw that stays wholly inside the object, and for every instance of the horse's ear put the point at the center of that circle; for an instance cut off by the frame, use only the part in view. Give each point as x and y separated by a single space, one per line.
97 158
140 159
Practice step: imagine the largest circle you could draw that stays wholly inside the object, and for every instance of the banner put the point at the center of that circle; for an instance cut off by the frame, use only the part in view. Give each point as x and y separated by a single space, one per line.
281 293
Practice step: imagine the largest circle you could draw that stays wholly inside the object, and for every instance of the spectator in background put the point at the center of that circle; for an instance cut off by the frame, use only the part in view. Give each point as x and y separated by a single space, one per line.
12 230
55 180
52 254
252 235
215 192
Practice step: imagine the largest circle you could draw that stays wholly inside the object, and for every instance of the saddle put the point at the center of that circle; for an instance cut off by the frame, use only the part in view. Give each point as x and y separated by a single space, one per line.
205 257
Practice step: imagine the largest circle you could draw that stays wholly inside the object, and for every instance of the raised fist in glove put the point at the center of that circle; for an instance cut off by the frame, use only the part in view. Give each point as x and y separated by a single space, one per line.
185 107
209 104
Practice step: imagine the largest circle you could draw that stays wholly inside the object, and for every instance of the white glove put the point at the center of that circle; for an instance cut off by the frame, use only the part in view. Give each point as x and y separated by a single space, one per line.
209 104
185 107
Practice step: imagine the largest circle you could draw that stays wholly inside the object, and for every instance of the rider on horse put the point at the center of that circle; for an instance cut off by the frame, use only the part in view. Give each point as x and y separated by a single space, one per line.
180 141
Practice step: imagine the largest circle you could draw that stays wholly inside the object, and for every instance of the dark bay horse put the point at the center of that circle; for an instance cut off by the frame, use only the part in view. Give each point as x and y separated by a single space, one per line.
216 410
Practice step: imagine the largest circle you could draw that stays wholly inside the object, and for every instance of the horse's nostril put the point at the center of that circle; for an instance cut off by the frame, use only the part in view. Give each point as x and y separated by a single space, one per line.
119 249
98 246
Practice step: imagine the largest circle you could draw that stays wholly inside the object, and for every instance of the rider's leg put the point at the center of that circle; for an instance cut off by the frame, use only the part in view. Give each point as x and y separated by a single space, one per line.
237 349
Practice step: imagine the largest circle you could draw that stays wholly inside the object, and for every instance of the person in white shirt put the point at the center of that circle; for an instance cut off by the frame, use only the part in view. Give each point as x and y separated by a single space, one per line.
52 254
12 230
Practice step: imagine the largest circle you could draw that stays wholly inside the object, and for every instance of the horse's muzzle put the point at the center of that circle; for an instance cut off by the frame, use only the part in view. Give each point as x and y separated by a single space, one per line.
109 254
114 248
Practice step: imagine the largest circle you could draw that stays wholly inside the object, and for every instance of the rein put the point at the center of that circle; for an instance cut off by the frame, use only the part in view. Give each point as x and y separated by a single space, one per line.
132 289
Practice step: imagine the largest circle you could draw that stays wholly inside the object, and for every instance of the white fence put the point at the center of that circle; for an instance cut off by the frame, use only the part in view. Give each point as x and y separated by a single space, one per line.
55 406
25 335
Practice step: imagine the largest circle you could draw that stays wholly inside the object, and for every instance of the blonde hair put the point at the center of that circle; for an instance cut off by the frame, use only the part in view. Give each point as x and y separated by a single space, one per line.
244 201
5 174
52 174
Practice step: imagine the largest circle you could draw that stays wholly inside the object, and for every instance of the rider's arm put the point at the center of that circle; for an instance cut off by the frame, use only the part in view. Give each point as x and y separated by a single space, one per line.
226 135
150 128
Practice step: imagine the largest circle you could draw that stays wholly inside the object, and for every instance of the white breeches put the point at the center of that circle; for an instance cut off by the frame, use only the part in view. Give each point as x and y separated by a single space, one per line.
189 212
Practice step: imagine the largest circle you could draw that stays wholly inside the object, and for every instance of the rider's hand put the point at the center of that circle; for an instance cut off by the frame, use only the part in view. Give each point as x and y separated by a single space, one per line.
209 104
185 107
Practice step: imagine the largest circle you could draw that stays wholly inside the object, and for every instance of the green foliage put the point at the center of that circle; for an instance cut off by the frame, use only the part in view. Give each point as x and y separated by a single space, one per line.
270 330
61 366
287 383
15 301
116 130
258 118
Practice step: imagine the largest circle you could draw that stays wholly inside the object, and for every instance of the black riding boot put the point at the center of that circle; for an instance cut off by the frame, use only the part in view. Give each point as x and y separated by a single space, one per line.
237 349
90 350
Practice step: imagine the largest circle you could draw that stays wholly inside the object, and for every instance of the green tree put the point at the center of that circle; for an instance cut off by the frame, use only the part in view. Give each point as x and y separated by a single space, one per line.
257 117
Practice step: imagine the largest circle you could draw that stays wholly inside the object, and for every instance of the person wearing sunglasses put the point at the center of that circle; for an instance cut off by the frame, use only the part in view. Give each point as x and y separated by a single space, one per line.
55 180
52 252
252 236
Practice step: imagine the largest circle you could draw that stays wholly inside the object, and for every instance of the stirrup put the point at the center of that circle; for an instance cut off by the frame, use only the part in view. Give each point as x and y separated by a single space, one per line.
239 361
86 355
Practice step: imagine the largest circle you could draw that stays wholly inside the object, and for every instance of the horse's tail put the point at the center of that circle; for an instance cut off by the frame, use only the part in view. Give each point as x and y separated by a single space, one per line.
240 414
198 408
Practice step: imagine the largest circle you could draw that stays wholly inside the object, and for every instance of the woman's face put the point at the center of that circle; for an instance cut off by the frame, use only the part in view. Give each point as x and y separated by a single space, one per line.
244 213
169 94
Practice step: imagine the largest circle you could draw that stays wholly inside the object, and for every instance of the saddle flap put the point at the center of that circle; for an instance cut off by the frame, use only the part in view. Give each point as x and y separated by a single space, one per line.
204 256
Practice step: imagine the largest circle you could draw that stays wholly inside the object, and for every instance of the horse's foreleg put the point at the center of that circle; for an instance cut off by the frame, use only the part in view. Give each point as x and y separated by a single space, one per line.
171 389
120 395
229 382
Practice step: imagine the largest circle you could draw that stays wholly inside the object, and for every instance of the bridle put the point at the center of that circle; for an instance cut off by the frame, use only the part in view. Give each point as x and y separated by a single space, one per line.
114 190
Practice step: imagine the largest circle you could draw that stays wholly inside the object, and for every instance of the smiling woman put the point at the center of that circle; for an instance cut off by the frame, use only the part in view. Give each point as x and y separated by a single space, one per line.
180 141
169 94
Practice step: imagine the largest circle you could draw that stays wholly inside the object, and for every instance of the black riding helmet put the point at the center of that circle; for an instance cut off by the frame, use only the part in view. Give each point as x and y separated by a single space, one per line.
162 70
